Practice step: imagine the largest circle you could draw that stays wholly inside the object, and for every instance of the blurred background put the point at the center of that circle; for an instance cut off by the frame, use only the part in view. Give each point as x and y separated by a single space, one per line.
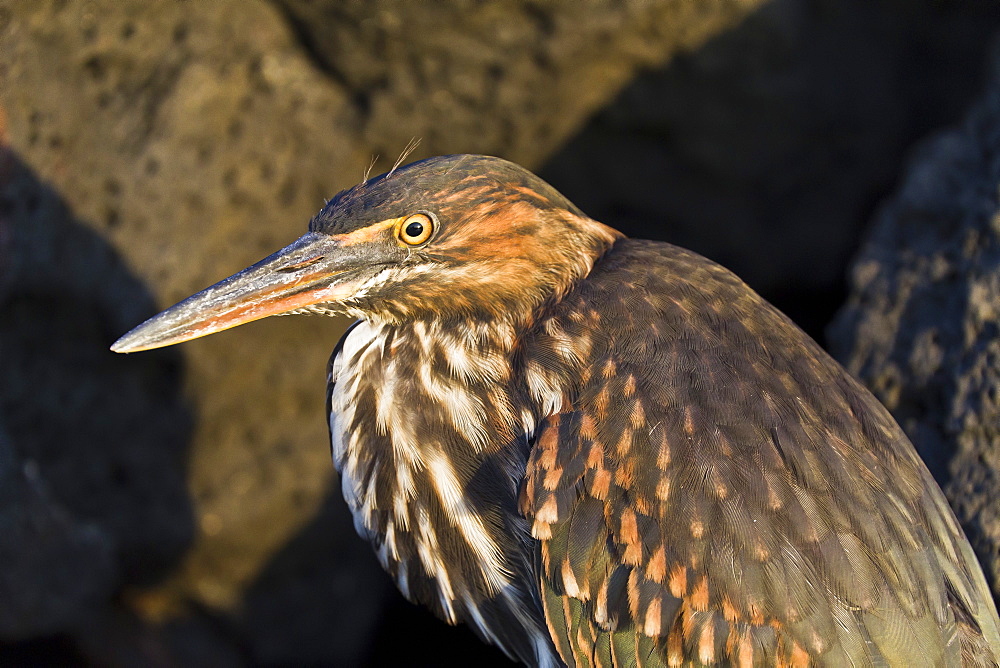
178 507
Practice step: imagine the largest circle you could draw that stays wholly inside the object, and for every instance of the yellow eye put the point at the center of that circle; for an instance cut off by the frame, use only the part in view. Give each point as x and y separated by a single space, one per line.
416 229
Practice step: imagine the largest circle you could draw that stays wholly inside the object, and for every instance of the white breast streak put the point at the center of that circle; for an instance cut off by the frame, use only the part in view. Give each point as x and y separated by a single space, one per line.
345 373
465 410
449 490
429 551
390 420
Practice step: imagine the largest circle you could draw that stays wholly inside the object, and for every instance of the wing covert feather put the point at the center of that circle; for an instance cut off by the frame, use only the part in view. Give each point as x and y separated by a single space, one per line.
718 490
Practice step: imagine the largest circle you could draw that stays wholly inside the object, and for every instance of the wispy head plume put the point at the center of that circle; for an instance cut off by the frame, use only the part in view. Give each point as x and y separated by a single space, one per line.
368 170
410 147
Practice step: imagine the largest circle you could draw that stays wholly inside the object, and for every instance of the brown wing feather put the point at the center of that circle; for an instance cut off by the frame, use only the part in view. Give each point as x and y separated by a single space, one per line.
719 490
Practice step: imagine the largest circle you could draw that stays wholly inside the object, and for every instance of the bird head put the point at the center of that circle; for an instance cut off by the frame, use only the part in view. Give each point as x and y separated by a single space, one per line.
447 237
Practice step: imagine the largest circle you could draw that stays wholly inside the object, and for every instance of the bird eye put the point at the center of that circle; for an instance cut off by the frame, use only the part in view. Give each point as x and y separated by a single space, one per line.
416 229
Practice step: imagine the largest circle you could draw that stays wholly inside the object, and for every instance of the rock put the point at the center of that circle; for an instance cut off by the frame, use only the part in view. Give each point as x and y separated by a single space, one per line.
767 148
306 586
922 325
88 501
507 77
106 435
55 569
92 474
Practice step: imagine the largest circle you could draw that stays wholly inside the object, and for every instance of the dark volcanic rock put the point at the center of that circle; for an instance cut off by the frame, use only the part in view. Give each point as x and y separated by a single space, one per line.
106 437
505 77
92 457
54 568
922 326
767 148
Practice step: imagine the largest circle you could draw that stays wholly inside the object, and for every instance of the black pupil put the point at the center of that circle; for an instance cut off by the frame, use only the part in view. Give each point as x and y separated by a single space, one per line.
414 229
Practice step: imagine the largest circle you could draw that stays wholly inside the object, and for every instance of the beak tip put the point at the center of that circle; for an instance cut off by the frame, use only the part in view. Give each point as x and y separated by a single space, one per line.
124 345
142 337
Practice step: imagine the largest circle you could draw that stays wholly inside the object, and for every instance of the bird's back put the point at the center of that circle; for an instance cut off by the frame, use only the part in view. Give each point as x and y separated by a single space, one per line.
719 489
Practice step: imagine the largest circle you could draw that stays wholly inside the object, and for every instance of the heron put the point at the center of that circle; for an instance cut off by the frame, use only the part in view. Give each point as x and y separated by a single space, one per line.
603 451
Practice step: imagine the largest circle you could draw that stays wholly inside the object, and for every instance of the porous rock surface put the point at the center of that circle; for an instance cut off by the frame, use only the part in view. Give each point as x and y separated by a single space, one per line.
922 325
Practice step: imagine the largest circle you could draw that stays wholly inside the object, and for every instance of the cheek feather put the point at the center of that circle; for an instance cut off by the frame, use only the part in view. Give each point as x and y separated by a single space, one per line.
490 230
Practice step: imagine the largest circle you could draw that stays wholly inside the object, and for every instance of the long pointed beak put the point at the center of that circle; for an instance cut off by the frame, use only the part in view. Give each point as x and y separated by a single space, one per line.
314 269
